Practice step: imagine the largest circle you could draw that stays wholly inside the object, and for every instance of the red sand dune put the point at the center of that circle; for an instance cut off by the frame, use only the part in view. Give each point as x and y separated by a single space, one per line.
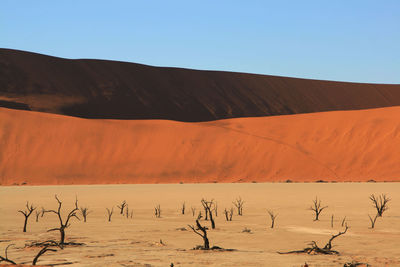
41 148
121 90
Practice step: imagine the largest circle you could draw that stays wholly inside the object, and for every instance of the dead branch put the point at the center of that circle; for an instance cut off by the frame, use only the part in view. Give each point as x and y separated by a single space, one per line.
6 259
216 209
183 208
203 233
122 206
157 211
193 211
110 213
273 217
63 225
85 212
207 205
343 221
373 221
27 213
44 250
380 203
315 249
328 245
37 214
239 205
228 214
317 208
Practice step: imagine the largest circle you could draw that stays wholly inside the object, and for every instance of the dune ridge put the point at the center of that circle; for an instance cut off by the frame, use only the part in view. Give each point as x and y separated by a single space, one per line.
104 89
47 149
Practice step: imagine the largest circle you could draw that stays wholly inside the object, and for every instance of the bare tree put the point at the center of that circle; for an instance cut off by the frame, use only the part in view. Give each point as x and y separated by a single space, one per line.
343 221
37 214
63 224
110 213
207 205
216 209
193 211
128 214
122 206
239 205
6 259
380 203
273 217
85 212
157 211
317 208
183 208
27 213
228 214
332 221
203 233
373 221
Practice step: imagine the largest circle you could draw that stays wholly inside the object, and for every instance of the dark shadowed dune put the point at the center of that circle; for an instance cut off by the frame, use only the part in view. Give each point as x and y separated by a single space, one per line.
120 90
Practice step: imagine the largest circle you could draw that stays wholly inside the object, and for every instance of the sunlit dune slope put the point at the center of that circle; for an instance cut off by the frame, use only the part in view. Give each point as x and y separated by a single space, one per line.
41 148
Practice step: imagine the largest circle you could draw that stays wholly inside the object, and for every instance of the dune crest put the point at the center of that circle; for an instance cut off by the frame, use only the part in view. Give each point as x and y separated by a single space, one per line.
40 148
105 89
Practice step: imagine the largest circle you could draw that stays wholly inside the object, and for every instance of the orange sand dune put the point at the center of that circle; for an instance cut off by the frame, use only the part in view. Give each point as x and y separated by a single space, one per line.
41 148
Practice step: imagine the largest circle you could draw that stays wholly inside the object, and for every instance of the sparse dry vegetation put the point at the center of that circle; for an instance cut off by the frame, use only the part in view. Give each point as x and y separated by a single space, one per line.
239 205
317 208
273 216
27 213
380 203
63 224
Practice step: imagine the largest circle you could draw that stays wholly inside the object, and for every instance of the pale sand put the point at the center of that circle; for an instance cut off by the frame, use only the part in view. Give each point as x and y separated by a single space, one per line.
133 242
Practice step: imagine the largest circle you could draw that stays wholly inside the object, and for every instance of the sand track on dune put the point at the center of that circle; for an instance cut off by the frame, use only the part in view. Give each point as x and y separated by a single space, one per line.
41 148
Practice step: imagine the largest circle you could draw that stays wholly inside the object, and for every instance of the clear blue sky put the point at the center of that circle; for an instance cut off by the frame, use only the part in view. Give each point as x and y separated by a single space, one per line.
347 40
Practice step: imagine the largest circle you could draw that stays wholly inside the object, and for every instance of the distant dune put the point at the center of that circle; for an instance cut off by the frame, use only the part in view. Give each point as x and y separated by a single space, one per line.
120 90
42 148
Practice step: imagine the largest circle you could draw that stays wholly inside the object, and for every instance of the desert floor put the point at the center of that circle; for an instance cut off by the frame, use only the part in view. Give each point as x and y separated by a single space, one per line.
136 241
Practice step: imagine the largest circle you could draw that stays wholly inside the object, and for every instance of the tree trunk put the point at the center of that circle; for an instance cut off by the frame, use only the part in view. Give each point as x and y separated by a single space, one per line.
25 223
62 238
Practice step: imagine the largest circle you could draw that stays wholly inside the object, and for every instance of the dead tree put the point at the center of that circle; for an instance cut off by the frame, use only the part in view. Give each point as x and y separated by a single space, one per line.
332 221
207 205
37 214
183 208
110 213
193 211
216 209
203 233
228 214
27 213
373 221
380 203
273 217
63 225
343 221
127 213
239 205
44 250
157 211
6 259
317 208
315 249
85 212
122 206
